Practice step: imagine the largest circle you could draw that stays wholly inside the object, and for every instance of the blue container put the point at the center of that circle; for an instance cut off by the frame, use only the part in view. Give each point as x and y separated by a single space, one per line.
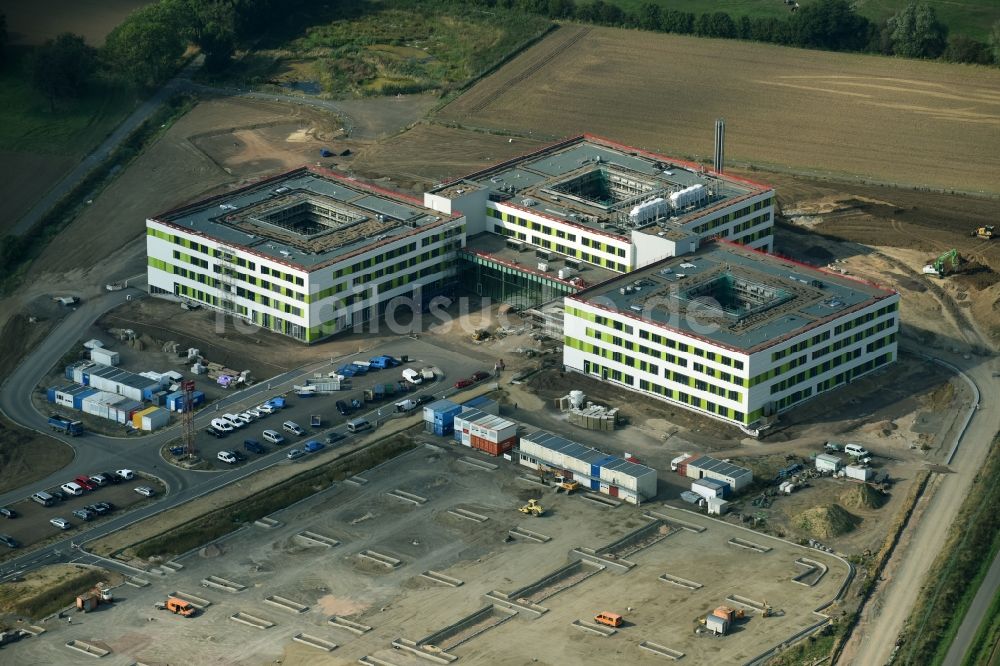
50 394
81 396
197 398
595 484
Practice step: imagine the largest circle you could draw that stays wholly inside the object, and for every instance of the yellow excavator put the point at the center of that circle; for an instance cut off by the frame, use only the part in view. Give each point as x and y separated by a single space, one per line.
565 484
532 508
985 233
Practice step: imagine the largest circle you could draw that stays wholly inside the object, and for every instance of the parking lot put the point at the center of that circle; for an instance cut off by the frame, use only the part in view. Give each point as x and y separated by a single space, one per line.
32 523
448 368
429 553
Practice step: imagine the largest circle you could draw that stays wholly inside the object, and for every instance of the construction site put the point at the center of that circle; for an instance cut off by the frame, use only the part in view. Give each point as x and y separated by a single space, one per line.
427 560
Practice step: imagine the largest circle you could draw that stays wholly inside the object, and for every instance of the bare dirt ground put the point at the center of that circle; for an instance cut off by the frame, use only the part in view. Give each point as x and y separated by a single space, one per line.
398 602
26 177
26 456
34 22
432 153
886 119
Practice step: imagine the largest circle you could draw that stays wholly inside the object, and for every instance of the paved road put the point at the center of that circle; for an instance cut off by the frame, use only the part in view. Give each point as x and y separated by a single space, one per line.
930 533
96 452
101 153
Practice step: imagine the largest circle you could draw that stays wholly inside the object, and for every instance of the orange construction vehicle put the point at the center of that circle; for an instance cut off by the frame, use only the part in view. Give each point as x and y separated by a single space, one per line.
177 606
728 614
610 619
94 598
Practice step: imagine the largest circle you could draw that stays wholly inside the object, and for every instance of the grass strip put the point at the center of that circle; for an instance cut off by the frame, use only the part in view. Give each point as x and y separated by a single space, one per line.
986 642
53 597
954 579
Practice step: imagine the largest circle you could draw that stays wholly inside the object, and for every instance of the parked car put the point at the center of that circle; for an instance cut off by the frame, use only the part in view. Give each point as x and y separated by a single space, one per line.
343 408
85 482
214 432
103 507
266 408
235 420
255 413
424 399
99 479
295 453
226 457
293 427
248 417
222 425
125 474
480 376
312 446
145 491
7 512
274 437
113 479
84 514
253 446
72 488
9 541
334 437
61 523
463 383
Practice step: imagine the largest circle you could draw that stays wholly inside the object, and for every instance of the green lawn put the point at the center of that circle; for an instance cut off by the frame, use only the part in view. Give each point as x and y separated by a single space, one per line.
27 123
971 17
987 636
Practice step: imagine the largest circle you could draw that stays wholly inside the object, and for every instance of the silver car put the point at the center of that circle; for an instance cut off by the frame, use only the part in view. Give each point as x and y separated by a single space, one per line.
61 523
145 491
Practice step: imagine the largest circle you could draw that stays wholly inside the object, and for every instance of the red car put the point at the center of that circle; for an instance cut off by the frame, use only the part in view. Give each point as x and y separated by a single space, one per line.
462 383
84 482
480 376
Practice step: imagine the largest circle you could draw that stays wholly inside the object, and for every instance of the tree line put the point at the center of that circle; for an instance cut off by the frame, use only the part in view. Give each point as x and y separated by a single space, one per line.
832 25
145 49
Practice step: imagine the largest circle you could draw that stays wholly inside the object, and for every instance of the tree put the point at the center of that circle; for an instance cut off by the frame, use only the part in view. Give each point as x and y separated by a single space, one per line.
832 25
915 32
650 17
61 67
4 38
965 49
144 49
995 42
210 24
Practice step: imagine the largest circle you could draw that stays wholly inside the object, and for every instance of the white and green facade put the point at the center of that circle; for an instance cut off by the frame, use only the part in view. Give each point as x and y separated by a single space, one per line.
227 254
573 199
808 333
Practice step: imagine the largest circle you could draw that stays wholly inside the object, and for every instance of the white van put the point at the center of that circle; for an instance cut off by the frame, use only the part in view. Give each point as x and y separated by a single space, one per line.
273 436
44 499
412 376
222 425
857 451
72 488
235 419
357 425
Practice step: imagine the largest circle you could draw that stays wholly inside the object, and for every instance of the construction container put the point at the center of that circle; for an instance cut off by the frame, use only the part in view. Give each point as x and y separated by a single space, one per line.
493 448
717 625
707 467
828 463
859 473
595 470
441 415
483 404
150 418
175 401
104 356
717 506
709 488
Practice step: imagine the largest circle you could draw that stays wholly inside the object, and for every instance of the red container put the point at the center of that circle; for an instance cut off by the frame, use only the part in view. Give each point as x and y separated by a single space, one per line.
492 448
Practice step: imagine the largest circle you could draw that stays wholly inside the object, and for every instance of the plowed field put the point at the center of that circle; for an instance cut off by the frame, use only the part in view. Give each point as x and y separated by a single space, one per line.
891 120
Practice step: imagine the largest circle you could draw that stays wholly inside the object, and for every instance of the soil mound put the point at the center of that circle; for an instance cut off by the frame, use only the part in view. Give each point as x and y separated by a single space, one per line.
862 496
823 522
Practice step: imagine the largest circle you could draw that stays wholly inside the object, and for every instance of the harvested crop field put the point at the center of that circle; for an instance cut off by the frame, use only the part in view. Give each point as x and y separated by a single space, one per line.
34 22
885 119
26 177
430 153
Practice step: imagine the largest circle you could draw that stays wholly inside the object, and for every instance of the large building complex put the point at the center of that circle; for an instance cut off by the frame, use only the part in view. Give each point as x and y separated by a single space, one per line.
307 253
731 332
587 203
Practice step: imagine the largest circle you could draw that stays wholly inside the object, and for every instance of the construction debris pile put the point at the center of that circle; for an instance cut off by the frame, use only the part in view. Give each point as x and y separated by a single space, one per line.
589 415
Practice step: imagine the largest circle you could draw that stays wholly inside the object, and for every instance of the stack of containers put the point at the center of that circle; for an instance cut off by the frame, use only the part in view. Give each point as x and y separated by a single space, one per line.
483 404
486 432
70 396
439 416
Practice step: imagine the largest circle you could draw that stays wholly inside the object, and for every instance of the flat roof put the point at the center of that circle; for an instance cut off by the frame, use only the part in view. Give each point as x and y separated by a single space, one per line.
733 296
306 217
586 454
597 183
720 467
525 256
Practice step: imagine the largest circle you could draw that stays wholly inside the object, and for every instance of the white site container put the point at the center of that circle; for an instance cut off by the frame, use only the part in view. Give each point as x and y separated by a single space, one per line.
860 473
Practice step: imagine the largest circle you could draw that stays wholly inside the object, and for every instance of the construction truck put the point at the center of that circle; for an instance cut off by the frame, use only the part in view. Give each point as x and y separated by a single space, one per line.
946 264
65 426
480 334
567 484
986 233
89 601
532 508
176 606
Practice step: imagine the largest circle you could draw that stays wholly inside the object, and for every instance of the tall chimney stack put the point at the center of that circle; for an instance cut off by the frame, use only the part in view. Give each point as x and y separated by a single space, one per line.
720 142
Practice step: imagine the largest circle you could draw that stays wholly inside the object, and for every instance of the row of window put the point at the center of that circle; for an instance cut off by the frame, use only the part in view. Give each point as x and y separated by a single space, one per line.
865 318
726 219
586 241
688 399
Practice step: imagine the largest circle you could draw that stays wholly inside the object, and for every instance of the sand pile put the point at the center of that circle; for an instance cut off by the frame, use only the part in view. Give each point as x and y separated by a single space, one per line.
823 522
